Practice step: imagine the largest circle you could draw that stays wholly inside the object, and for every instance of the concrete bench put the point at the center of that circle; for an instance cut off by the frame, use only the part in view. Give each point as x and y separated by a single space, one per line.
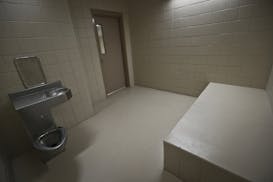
226 136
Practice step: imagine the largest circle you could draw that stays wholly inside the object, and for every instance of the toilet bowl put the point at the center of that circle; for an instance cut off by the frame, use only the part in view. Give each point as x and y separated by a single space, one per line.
50 143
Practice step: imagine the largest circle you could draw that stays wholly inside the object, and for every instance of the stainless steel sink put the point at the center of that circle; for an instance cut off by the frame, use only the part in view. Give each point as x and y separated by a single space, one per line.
34 106
48 94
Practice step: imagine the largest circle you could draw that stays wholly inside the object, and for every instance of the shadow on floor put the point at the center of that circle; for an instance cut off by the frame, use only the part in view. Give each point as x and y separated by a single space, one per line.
29 168
168 177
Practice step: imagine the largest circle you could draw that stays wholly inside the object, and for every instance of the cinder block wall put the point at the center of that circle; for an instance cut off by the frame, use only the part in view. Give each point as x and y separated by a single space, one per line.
6 174
181 45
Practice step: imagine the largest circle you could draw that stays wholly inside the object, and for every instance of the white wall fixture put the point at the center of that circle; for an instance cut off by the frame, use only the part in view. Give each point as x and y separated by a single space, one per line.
100 38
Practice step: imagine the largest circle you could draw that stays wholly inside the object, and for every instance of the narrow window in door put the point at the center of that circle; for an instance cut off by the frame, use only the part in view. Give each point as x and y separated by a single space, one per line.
100 38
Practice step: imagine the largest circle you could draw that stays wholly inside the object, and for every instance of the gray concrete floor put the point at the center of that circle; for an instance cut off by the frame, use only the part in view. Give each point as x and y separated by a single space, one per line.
123 142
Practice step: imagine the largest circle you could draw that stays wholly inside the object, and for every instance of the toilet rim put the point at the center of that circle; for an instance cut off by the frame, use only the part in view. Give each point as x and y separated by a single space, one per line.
40 146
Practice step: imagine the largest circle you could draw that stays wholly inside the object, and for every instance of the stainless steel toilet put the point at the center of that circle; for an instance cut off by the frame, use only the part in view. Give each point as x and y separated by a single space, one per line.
50 143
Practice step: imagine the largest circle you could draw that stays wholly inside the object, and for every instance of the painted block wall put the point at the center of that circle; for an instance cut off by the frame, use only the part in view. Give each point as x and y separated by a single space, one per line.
180 46
42 28
6 172
3 169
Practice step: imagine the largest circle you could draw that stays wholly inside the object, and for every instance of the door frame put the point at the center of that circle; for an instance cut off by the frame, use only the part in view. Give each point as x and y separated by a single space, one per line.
119 17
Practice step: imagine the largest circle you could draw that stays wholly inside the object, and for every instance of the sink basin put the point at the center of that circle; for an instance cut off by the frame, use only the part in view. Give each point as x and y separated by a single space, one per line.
57 92
46 95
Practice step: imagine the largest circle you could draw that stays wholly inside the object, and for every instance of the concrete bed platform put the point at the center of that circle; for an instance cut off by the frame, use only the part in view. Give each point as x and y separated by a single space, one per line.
227 136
